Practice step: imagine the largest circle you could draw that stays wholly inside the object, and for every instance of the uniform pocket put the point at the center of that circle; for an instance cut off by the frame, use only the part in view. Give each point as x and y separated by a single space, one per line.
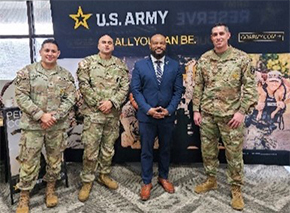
23 149
87 123
64 141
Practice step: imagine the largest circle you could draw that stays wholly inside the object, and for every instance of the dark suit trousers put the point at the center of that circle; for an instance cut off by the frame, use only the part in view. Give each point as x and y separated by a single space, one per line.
148 132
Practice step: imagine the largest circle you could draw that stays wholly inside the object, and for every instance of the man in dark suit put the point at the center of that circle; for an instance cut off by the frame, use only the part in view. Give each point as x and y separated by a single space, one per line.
157 88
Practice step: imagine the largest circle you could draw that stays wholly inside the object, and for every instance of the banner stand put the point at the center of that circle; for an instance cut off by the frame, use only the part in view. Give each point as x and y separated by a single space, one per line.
12 137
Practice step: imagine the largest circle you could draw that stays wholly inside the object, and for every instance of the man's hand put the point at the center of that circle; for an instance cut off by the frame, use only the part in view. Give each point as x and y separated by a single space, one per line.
197 118
156 112
164 112
44 126
105 107
47 120
236 121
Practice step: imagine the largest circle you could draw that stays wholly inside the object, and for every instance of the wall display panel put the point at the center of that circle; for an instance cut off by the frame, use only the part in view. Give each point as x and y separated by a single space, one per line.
260 28
256 26
12 129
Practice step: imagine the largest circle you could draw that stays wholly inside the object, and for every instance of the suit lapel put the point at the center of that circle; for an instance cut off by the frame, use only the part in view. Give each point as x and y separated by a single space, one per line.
166 70
151 69
166 65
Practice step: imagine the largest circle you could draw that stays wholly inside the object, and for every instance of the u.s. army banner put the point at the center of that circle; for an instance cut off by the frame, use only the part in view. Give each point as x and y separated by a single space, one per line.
256 26
260 28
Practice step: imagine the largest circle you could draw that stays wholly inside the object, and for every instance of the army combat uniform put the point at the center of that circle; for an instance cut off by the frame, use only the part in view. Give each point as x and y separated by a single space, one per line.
40 91
225 84
100 80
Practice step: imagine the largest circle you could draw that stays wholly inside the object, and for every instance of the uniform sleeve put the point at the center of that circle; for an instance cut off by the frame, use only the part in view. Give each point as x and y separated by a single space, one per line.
198 88
249 90
68 99
86 90
120 96
23 97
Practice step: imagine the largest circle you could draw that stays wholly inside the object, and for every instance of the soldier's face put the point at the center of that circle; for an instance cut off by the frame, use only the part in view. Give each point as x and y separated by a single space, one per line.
49 53
220 37
158 46
106 45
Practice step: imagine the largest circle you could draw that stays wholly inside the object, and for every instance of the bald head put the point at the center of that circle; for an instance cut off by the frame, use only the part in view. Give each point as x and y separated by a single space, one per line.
157 37
106 46
105 37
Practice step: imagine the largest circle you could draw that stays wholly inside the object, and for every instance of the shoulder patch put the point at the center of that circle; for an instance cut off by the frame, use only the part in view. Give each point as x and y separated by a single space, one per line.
82 63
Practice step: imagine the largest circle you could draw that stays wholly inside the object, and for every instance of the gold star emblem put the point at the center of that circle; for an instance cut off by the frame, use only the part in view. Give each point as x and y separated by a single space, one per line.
80 18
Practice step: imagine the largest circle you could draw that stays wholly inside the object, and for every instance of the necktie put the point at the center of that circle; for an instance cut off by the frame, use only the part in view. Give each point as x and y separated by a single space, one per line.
158 72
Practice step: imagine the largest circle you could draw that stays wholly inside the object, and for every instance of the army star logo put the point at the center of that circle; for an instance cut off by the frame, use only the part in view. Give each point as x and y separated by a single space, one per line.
80 18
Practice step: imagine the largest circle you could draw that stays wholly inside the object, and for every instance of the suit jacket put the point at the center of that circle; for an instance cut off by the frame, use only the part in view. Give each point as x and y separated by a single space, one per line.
147 93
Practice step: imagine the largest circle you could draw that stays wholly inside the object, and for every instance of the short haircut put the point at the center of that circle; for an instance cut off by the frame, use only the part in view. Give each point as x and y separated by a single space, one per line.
106 35
220 24
156 35
49 41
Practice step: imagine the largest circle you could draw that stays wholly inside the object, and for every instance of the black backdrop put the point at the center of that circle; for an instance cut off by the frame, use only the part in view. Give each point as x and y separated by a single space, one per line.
256 27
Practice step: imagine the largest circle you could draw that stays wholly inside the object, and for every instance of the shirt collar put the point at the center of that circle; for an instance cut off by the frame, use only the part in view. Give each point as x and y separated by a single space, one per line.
154 59
46 71
223 55
105 62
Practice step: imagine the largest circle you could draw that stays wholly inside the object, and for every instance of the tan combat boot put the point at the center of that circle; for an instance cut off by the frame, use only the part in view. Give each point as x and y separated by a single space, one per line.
209 184
107 181
85 191
23 205
237 198
51 197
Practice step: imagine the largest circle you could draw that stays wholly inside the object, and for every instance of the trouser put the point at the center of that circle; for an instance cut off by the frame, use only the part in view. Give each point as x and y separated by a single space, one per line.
212 129
31 144
148 132
99 138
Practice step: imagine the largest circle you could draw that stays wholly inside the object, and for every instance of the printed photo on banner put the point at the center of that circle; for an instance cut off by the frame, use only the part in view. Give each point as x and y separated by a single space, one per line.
269 124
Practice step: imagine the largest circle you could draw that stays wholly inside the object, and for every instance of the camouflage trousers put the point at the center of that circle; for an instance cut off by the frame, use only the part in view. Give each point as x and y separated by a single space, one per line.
99 138
212 129
31 144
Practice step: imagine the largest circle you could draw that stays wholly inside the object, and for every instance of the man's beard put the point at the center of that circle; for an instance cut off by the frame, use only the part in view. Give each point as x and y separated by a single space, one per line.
157 56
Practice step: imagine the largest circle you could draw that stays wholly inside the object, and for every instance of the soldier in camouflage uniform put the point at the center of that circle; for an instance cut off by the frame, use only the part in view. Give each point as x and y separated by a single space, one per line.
104 84
225 90
45 92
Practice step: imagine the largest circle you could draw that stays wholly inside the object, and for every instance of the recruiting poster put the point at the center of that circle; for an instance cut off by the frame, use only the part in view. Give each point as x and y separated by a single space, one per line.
13 132
12 117
268 126
260 28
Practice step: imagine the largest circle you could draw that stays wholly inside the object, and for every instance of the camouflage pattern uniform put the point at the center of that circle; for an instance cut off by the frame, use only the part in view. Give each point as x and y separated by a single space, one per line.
40 91
225 84
100 80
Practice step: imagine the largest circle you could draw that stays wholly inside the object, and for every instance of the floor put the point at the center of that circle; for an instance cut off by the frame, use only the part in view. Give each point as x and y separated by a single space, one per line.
266 190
